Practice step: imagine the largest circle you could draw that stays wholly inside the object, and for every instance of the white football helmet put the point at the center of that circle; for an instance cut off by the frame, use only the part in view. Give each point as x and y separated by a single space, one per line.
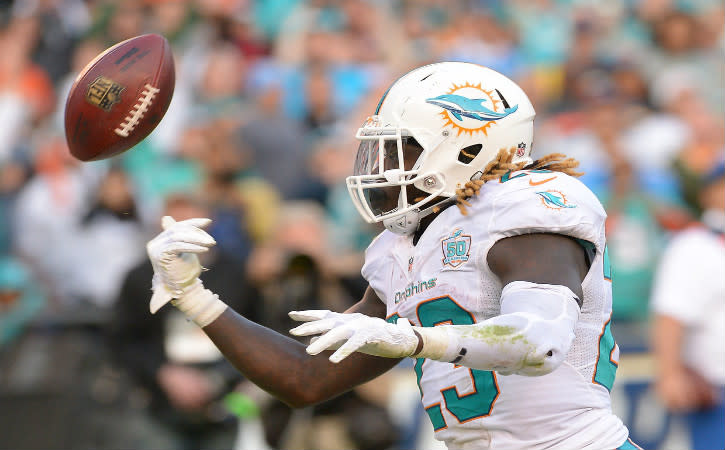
439 126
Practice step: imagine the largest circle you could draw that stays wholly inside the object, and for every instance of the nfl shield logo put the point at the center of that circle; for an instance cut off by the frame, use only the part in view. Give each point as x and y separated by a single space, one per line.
520 150
104 93
456 249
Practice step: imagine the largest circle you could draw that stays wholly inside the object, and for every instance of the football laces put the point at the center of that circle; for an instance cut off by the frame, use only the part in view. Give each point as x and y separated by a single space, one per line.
138 110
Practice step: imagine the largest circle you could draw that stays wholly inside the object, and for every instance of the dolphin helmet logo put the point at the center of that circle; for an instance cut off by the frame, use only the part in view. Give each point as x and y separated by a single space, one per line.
470 108
473 108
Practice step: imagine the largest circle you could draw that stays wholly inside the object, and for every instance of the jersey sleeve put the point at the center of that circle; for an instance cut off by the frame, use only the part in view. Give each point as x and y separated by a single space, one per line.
547 202
376 256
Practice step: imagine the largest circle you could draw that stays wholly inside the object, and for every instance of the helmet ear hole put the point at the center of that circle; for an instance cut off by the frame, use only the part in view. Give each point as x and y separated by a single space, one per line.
467 154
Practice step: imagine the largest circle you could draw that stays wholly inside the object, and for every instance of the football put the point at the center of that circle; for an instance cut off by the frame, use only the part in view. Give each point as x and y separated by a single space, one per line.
119 97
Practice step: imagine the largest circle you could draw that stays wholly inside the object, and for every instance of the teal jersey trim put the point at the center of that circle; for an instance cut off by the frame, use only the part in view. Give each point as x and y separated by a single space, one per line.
606 369
629 445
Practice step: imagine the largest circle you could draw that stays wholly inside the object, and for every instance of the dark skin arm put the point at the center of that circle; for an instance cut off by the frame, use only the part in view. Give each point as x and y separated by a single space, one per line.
540 258
280 365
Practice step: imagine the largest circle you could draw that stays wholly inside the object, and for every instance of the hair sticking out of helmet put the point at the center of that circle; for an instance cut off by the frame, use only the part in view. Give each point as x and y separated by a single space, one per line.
502 164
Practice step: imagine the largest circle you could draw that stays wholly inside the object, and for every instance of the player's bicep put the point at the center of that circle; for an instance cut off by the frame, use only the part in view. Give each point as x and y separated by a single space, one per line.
540 258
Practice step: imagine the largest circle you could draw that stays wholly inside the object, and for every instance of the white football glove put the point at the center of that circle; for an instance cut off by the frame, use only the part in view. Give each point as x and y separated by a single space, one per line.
177 268
349 333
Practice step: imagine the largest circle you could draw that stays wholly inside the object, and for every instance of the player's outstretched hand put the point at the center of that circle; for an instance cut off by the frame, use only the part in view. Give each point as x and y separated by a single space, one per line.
173 257
349 333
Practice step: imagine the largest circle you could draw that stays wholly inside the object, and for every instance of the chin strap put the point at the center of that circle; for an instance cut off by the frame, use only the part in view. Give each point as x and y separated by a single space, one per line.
408 223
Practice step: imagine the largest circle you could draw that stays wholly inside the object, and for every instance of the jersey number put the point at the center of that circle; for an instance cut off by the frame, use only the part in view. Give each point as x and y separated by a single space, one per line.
464 407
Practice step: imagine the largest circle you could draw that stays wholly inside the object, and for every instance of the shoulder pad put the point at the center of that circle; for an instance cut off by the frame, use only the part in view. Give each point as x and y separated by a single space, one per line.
541 201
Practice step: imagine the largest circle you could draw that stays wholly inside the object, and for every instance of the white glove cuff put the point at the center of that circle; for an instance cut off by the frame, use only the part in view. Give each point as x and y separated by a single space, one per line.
437 344
200 305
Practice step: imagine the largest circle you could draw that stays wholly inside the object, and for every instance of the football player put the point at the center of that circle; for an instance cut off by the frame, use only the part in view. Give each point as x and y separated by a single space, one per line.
492 272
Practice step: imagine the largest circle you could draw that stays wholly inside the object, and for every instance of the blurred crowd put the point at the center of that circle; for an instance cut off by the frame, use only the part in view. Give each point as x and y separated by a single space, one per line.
259 136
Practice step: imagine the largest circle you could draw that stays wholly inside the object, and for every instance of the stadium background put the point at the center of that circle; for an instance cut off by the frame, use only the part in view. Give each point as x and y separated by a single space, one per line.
259 136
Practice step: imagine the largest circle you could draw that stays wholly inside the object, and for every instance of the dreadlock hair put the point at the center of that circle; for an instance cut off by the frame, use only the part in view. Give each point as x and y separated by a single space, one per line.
501 165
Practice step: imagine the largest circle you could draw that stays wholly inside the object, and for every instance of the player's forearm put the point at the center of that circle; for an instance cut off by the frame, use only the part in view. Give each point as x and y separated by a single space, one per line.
502 343
274 362
531 337
268 359
281 366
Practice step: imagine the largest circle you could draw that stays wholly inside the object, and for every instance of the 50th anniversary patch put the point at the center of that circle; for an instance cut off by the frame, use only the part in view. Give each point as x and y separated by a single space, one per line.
456 249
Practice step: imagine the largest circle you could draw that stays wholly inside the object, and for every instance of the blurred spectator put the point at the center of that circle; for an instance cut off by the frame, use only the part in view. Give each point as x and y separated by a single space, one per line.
354 44
678 52
278 144
479 38
582 57
171 18
320 115
186 376
348 233
703 150
299 266
118 21
307 32
13 175
60 23
258 199
47 214
634 239
20 299
689 334
545 28
417 31
223 163
26 90
269 16
592 135
630 85
654 140
219 91
113 226
375 38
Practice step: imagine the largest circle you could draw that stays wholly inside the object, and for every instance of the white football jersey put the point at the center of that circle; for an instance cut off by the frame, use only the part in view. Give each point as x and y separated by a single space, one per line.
445 279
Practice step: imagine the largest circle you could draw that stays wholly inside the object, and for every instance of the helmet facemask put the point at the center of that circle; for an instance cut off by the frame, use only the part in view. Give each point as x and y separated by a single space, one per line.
386 168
